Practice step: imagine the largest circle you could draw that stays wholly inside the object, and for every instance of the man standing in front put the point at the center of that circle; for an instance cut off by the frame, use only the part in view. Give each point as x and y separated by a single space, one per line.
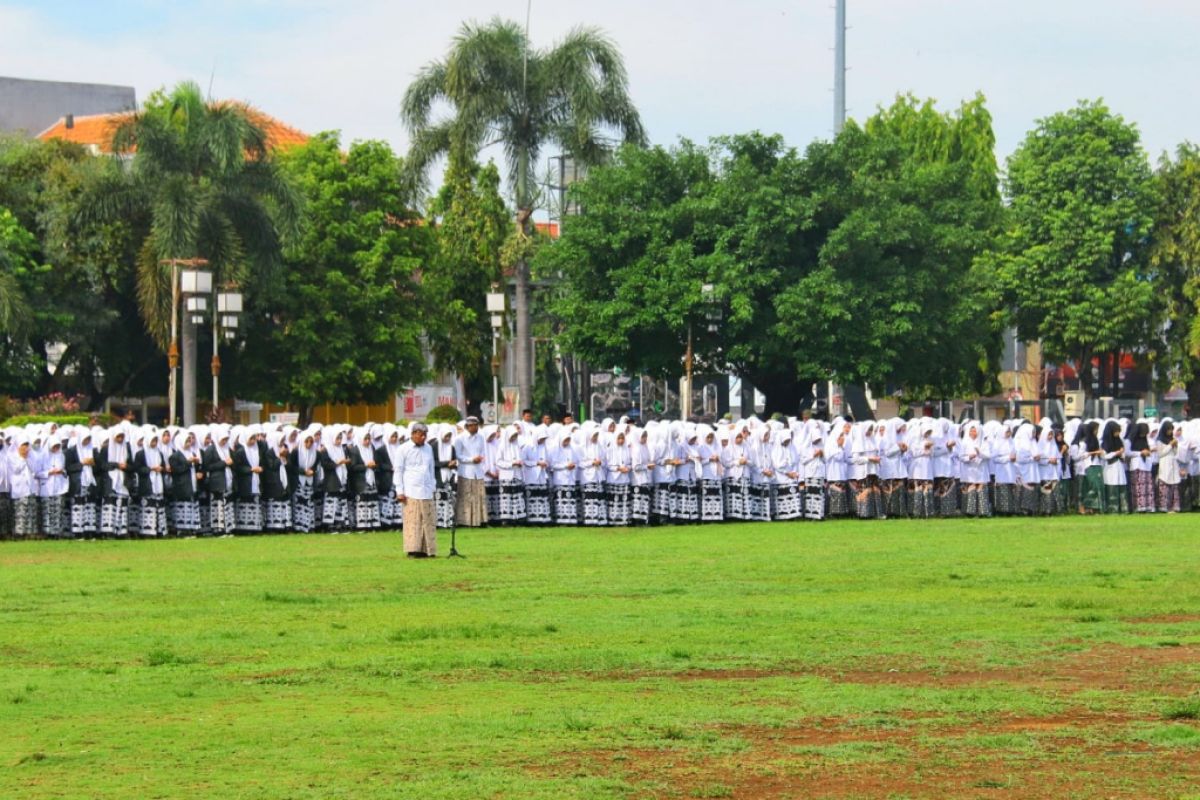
472 500
415 492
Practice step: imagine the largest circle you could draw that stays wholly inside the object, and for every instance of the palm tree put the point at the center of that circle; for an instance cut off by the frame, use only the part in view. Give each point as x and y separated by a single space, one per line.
201 177
502 92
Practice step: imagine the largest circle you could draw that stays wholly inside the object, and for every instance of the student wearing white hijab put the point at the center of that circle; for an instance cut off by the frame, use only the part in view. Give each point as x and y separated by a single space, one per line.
83 488
786 464
510 477
864 472
249 462
893 471
362 483
151 469
115 466
618 463
335 508
642 479
812 462
974 459
303 472
491 473
920 468
445 458
184 461
564 488
535 463
762 475
277 484
6 520
1002 457
708 468
589 459
52 489
735 468
22 484
662 474
218 480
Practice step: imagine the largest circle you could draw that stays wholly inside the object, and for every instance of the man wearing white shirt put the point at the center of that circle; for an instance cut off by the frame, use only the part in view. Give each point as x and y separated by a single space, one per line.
416 488
470 449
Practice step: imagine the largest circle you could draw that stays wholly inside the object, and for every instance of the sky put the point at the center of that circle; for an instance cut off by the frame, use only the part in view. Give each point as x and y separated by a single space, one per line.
697 68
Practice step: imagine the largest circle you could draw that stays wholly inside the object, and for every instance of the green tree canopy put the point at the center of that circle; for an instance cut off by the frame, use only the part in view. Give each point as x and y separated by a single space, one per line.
1072 265
342 322
853 260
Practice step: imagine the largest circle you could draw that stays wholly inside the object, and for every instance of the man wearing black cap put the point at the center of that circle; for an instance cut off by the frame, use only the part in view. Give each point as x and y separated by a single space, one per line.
472 500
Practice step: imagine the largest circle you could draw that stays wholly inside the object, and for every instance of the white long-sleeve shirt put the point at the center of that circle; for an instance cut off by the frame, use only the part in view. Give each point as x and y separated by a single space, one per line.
416 472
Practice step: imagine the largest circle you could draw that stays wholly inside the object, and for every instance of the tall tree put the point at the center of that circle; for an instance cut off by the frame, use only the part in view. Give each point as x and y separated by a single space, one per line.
502 91
343 321
853 261
1175 264
202 175
471 225
1072 266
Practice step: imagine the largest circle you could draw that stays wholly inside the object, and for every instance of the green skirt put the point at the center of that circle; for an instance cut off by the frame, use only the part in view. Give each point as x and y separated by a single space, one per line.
1116 499
1091 489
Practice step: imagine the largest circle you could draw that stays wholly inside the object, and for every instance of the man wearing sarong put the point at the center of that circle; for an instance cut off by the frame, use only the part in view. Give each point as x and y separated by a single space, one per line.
472 501
417 485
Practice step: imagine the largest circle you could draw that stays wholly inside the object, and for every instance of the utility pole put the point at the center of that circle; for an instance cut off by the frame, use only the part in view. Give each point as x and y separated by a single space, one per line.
839 68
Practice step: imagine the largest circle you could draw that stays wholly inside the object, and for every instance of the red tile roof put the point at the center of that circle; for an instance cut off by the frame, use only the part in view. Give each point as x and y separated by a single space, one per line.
97 130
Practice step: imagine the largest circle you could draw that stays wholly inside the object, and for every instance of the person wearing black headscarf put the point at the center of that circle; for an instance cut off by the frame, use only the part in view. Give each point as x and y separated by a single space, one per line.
1141 466
1166 447
1089 472
1116 492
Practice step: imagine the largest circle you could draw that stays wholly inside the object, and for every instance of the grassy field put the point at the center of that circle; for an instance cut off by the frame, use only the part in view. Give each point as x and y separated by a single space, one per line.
999 659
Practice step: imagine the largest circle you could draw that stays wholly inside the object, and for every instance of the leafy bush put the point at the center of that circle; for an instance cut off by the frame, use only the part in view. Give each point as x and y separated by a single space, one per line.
103 420
443 413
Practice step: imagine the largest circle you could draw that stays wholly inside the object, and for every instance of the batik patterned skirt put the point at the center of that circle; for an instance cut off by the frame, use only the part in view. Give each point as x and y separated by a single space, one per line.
153 515
1168 496
685 501
566 504
114 516
895 497
1004 499
221 518
303 509
975 500
619 504
491 493
277 515
512 501
365 508
712 500
922 500
762 502
25 517
85 517
335 512
737 498
595 504
1142 482
444 498
639 504
1028 498
1091 494
1048 499
6 515
660 500
390 514
184 516
946 493
788 501
537 504
868 502
814 498
54 517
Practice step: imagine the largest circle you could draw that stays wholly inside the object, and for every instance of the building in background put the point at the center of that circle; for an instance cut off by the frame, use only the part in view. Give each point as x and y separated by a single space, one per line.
28 107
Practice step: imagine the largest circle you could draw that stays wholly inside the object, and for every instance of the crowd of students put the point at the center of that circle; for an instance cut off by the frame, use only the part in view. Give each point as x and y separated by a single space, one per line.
142 481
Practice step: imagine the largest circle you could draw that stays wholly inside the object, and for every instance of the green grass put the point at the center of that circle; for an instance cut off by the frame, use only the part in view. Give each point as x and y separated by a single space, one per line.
556 663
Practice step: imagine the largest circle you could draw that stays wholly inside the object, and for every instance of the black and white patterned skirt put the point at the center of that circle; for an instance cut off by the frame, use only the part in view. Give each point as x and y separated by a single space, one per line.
839 499
660 501
712 501
737 498
248 515
537 505
788 503
114 516
153 516
85 517
762 502
566 505
55 522
619 504
277 515
491 494
814 498
303 508
639 503
335 512
185 516
1004 498
390 514
595 504
25 517
221 518
685 501
512 500
443 504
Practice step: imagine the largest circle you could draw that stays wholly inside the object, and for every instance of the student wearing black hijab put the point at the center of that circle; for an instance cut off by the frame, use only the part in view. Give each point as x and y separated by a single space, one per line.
1166 447
1116 493
1141 466
1089 471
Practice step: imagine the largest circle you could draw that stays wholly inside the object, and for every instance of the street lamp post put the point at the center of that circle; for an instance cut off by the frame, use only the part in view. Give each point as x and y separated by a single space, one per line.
191 281
706 294
229 306
496 307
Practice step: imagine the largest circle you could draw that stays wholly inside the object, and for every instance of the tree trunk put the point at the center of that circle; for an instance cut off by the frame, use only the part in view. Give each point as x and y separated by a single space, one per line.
1083 368
187 365
521 348
1193 401
305 415
784 395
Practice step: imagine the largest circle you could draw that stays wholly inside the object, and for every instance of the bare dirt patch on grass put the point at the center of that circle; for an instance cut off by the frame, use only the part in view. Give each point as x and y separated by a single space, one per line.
1073 754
